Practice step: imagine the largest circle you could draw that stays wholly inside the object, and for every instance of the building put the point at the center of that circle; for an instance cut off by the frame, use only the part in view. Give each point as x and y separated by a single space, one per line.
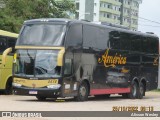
124 12
85 9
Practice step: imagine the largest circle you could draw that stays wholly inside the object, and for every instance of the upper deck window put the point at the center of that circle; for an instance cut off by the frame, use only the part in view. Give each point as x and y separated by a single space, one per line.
74 36
95 37
3 44
42 35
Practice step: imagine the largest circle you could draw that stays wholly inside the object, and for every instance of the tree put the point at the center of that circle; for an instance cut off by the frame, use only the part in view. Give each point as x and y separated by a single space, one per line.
17 11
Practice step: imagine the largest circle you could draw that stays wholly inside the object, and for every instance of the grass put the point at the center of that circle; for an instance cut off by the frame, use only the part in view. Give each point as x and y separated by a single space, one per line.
157 90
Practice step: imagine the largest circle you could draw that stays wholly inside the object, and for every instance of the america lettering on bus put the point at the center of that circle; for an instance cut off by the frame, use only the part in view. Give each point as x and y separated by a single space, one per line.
112 61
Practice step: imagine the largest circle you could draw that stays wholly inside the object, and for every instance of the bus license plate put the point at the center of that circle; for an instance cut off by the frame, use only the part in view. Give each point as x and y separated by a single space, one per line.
33 92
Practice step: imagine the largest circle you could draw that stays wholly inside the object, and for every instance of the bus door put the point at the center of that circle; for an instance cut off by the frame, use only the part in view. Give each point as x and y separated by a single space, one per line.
72 60
3 46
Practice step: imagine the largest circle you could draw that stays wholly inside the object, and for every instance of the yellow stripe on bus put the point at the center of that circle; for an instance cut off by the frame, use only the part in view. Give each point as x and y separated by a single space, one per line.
35 83
9 34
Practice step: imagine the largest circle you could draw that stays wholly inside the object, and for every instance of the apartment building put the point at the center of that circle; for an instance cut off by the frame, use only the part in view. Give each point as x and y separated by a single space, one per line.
124 12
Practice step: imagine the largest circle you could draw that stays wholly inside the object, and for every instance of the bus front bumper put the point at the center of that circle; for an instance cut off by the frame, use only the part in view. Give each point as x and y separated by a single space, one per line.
47 92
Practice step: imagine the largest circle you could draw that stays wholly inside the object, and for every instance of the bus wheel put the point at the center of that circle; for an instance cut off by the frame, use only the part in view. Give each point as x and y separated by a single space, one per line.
41 98
134 91
82 92
9 89
141 91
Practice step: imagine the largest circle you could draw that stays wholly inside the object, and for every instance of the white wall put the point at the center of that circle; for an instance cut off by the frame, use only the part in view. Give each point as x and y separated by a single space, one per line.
96 10
82 9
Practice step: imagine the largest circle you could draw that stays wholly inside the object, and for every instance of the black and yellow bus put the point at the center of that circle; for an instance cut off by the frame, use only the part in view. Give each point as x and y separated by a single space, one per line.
7 44
71 58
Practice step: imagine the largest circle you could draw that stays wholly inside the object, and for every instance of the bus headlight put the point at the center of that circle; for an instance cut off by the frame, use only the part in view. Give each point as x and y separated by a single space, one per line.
16 85
54 86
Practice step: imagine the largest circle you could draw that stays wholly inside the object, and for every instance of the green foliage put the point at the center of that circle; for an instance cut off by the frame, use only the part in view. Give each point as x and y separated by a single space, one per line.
17 11
157 90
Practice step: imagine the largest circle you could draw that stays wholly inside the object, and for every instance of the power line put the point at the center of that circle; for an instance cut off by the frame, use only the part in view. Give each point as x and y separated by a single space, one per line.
149 20
148 25
143 21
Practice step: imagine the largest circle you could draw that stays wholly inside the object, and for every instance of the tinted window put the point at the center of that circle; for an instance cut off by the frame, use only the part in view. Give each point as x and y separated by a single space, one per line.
153 45
145 45
3 44
114 40
68 67
125 41
42 34
90 38
11 42
95 37
74 35
103 38
136 43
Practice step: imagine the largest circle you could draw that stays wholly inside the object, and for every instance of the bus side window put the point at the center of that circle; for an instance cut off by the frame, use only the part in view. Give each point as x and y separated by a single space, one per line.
145 45
90 36
153 45
103 38
11 43
136 43
3 44
114 40
95 38
68 67
125 41
74 36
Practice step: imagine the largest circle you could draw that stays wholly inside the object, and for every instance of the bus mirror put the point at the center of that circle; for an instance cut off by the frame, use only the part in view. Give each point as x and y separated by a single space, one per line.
4 55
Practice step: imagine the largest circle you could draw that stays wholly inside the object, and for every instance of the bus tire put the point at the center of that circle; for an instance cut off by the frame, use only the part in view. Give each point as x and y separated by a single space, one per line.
82 92
134 91
41 98
141 91
9 88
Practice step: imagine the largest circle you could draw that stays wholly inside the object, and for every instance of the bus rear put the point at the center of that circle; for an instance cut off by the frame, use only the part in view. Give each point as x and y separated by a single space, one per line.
7 44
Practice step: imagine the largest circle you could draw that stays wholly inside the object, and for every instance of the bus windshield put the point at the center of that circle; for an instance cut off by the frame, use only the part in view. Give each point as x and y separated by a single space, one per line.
42 35
37 63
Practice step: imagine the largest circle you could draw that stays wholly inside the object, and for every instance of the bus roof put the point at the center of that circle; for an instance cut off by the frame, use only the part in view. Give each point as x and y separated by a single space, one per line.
8 34
63 20
48 20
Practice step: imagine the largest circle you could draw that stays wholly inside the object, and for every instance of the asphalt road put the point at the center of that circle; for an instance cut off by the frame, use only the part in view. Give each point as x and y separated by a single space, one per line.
29 103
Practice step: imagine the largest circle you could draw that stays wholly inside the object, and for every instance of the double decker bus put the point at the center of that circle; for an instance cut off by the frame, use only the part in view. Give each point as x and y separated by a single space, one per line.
7 44
71 58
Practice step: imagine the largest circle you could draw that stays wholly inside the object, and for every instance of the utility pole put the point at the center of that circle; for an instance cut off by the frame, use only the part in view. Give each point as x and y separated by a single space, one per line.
130 15
122 12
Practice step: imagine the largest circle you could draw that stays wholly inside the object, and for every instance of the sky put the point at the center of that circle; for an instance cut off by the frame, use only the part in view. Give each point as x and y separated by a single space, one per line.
149 9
